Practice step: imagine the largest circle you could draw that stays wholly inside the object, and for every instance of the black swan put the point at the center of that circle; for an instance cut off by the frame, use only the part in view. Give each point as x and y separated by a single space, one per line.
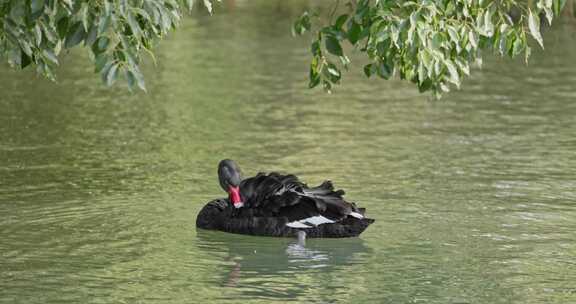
273 204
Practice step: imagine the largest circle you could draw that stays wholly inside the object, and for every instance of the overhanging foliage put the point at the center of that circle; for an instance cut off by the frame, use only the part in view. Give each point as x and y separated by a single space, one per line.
432 43
116 32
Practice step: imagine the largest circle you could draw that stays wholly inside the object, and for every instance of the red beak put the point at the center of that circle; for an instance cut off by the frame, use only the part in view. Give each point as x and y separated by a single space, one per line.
234 193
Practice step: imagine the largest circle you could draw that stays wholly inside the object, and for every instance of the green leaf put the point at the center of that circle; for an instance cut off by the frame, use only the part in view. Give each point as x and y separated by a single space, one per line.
302 24
139 78
48 54
92 35
103 43
103 23
38 34
58 47
68 3
354 32
314 78
437 42
453 35
368 70
453 73
488 25
26 47
340 21
101 61
422 75
473 39
425 86
395 35
208 5
25 60
142 13
384 70
517 47
413 19
332 72
313 74
189 4
15 57
49 32
549 15
426 59
547 6
527 53
463 66
62 26
131 79
112 74
75 35
315 48
84 15
134 27
36 8
333 46
557 6
122 7
17 11
534 26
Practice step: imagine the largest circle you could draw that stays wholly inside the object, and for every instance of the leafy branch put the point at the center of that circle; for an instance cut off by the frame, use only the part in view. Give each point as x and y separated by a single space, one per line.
116 32
432 43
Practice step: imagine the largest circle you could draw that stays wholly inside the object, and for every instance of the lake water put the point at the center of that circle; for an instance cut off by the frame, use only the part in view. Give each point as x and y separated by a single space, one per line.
474 195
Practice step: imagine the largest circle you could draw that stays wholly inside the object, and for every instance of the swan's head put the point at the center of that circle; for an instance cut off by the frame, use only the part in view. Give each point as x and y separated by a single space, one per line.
230 178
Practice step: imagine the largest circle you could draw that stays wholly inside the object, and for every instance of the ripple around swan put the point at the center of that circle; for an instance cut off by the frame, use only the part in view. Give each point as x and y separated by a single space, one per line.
473 195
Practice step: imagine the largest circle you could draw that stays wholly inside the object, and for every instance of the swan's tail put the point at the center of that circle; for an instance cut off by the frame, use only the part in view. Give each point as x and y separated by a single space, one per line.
332 202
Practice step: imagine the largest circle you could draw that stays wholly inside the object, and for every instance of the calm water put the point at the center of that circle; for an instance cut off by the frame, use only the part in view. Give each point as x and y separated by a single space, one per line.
474 195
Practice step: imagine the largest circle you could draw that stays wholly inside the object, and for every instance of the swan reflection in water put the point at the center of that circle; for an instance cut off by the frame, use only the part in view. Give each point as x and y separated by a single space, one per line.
254 258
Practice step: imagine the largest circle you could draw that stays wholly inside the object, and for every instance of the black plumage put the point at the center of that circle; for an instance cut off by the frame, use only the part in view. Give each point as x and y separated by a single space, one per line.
274 204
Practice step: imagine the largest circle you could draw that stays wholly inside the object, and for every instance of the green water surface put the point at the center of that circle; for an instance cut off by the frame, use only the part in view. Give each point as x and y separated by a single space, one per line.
474 195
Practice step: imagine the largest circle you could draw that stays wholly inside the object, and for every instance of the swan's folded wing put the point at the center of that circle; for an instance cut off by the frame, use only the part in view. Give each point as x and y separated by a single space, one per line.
284 196
270 191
